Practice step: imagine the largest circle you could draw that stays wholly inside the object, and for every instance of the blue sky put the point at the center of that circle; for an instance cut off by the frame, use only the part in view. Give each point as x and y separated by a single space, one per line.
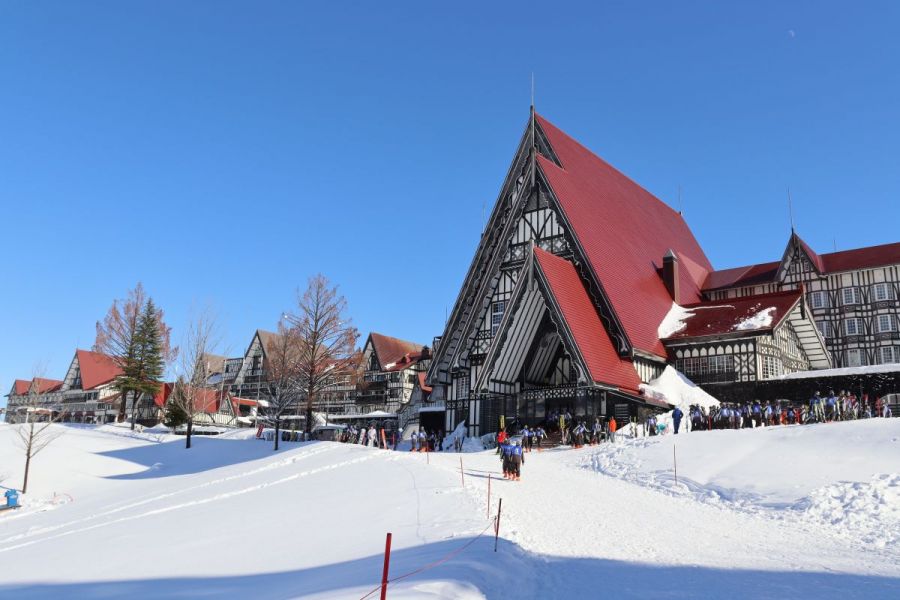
222 152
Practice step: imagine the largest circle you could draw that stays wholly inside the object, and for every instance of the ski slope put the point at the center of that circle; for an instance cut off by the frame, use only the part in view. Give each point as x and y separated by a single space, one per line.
137 515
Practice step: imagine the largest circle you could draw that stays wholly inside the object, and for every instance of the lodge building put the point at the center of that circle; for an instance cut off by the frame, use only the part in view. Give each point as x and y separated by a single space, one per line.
584 287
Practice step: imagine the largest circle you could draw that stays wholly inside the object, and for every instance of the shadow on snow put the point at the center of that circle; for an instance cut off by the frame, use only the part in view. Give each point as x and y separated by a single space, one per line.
508 573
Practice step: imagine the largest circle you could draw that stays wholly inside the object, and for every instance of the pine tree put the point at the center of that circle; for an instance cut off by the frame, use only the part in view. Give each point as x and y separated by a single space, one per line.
143 375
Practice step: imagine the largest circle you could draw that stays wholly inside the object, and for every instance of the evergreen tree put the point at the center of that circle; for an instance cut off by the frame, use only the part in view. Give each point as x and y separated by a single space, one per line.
175 415
143 374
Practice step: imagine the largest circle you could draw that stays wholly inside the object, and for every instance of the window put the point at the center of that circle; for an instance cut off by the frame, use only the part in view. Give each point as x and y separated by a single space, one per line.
856 358
882 292
825 328
771 367
888 354
850 295
886 323
497 309
818 299
853 326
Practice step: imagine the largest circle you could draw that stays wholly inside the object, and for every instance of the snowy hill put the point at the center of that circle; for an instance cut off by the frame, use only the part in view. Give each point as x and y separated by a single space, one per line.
783 512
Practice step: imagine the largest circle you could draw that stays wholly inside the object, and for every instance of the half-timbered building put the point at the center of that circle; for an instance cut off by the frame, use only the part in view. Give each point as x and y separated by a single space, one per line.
562 305
854 296
89 393
28 396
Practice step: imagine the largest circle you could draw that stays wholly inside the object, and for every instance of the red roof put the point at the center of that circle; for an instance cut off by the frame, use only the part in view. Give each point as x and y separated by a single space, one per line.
397 353
602 360
21 387
725 316
47 385
96 369
162 396
243 401
624 231
833 262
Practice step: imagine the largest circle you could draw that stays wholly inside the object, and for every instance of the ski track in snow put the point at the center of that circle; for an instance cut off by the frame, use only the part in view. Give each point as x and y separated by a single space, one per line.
217 497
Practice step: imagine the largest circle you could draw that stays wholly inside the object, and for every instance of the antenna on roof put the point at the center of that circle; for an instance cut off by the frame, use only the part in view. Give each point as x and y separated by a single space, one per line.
791 208
483 222
680 205
533 150
834 239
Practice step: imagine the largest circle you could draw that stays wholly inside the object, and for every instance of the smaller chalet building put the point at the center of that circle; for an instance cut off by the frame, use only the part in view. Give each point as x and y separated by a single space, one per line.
88 391
392 368
854 296
744 339
33 399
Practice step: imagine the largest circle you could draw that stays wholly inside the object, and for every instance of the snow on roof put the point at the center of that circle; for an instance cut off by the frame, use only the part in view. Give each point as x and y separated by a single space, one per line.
676 389
866 370
760 320
674 321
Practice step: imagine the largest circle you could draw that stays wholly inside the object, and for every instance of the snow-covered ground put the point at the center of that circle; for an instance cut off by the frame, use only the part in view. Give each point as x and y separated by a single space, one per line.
785 512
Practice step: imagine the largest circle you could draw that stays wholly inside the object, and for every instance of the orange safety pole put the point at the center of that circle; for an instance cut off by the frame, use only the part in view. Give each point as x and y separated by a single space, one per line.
387 564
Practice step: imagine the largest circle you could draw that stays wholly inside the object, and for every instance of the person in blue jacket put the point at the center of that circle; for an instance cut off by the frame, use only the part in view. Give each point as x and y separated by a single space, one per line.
517 459
677 415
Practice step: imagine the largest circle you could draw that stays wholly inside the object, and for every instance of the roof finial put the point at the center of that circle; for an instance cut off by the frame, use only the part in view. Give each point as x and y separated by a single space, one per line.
791 209
532 109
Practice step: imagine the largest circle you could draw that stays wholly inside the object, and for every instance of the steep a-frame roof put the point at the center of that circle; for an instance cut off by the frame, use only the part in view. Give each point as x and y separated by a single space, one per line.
21 387
604 364
624 231
393 351
96 368
268 339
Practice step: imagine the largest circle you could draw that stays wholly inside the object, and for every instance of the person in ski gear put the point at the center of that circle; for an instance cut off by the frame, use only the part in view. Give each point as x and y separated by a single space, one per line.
830 403
423 442
373 435
539 436
676 418
517 459
501 439
612 429
756 413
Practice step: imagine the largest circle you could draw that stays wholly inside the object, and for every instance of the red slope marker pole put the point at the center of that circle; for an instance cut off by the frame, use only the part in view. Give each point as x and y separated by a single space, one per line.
497 526
387 564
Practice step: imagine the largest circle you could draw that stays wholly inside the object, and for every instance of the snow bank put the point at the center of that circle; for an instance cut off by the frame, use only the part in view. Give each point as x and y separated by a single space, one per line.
760 320
676 389
866 511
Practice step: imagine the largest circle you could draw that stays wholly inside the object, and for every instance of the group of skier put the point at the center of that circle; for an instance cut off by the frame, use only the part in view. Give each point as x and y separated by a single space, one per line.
844 406
370 435
512 457
426 441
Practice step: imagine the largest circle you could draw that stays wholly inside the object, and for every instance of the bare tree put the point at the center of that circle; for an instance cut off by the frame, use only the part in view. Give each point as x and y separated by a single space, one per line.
282 368
326 337
118 337
35 433
192 392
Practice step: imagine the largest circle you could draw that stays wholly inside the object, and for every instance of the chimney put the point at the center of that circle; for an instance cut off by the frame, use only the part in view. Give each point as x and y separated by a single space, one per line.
670 274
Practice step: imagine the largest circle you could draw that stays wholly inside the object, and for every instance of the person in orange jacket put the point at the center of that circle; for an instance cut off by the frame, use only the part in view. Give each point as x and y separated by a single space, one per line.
612 429
501 438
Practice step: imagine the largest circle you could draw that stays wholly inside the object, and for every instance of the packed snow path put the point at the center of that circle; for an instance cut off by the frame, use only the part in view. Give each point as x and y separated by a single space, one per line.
230 518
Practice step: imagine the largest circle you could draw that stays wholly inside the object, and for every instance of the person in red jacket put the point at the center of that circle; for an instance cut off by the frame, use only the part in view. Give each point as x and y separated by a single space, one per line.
501 438
612 429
